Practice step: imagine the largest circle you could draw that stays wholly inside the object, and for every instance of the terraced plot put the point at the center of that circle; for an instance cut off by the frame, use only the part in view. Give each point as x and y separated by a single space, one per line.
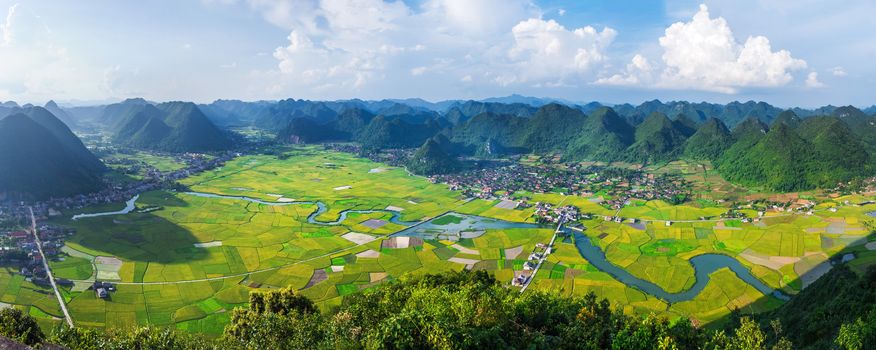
190 262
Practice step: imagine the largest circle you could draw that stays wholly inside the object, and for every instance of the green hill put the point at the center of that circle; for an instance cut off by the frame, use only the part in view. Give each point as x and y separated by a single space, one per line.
386 132
776 161
861 124
551 128
489 134
709 141
65 136
430 159
171 126
657 139
37 164
604 136
788 117
838 154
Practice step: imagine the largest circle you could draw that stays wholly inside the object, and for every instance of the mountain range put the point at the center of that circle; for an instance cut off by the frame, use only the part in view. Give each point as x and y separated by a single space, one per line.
40 157
792 153
170 126
752 143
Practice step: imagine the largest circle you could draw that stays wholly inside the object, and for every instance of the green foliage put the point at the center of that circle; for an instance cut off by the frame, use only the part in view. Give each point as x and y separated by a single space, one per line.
605 136
171 126
657 139
279 302
709 141
18 326
839 307
430 159
386 132
140 338
823 153
36 162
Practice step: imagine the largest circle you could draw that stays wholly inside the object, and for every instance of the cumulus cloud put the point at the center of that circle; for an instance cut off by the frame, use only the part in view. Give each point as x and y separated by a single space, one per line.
838 71
6 27
352 44
812 80
34 65
703 54
545 49
638 72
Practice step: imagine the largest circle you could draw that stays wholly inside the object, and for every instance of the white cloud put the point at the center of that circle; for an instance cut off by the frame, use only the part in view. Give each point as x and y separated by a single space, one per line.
812 80
419 71
37 67
343 46
638 72
561 12
545 49
703 54
6 27
838 71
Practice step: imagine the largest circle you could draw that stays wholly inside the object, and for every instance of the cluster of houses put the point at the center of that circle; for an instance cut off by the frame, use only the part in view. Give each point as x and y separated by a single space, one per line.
20 249
547 213
196 163
522 277
392 157
617 186
102 289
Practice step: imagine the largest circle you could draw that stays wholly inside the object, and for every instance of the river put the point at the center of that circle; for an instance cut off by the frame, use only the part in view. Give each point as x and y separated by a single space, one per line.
471 226
129 207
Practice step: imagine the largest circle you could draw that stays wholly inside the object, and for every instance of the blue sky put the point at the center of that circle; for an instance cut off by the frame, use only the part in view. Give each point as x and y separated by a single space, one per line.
790 53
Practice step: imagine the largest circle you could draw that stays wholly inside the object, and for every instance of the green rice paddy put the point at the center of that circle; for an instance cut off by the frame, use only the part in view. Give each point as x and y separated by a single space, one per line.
188 264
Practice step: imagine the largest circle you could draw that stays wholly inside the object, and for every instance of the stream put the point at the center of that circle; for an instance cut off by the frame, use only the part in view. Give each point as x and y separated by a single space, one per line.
471 226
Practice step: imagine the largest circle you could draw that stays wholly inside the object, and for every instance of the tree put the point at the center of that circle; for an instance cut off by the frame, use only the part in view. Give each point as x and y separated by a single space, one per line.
276 319
20 327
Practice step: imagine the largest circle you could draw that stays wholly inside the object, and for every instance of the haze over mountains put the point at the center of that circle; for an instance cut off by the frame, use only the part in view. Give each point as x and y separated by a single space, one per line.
41 157
752 143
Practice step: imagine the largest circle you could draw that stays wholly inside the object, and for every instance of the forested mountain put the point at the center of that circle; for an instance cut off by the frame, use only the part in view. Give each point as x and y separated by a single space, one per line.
170 126
431 159
709 141
860 123
40 157
605 136
61 114
832 149
387 132
67 139
657 139
459 113
794 154
777 160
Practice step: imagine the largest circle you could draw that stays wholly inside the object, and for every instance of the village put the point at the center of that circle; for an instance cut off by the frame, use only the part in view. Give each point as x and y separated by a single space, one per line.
19 248
613 187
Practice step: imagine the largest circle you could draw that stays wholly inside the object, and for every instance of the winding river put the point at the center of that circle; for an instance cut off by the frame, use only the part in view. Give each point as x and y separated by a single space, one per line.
321 208
470 226
129 207
703 265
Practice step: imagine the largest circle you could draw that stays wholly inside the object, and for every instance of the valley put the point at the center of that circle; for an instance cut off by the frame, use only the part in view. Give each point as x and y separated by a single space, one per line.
330 224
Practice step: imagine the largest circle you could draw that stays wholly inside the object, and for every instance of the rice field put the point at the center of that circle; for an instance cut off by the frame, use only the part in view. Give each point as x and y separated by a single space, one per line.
189 263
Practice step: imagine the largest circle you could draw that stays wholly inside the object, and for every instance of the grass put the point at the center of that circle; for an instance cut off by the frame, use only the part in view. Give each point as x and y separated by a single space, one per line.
159 246
447 220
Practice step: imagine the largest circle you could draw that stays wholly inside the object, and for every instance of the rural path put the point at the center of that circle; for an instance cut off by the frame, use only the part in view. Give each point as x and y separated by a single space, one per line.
245 274
39 245
545 255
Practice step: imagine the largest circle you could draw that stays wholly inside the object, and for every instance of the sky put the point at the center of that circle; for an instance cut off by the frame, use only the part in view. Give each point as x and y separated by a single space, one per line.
803 53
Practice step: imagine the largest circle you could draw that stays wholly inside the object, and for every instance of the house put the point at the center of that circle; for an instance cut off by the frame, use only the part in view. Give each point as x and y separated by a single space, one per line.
101 293
18 235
